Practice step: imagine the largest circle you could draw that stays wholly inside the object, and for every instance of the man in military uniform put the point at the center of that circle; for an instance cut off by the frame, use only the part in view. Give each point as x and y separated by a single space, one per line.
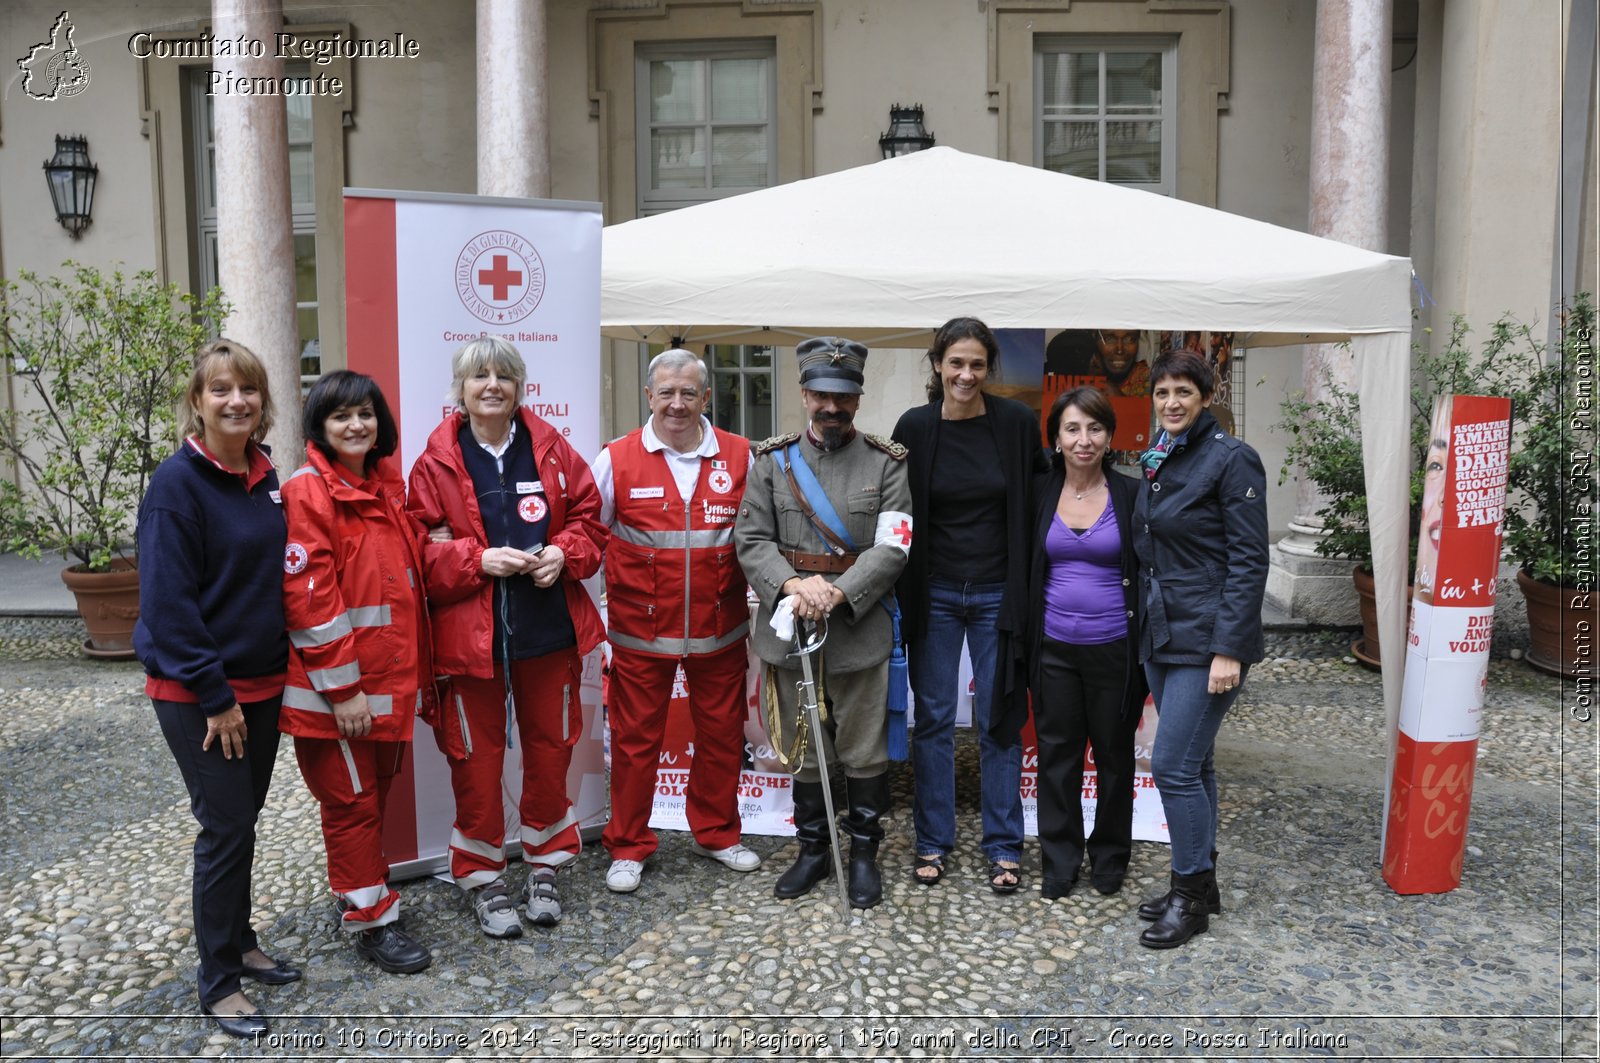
863 479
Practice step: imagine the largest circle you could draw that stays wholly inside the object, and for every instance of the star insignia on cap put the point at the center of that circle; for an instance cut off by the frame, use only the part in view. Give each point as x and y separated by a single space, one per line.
836 357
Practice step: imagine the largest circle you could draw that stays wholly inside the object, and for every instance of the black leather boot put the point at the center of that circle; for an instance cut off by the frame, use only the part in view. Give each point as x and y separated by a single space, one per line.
1156 907
1186 912
812 830
869 800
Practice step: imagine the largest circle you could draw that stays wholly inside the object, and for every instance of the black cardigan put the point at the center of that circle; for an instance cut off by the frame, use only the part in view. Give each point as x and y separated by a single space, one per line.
1124 496
1018 440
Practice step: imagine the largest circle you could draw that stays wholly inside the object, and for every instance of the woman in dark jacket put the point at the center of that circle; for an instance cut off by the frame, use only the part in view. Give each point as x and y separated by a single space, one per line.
212 641
1087 683
966 579
1202 545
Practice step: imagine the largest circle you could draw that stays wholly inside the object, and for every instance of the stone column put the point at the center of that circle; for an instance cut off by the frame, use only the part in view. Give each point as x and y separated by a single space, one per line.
513 102
1349 203
255 237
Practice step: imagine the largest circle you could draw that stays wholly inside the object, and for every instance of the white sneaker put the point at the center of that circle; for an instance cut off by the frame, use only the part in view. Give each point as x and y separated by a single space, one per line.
543 902
735 857
497 916
624 875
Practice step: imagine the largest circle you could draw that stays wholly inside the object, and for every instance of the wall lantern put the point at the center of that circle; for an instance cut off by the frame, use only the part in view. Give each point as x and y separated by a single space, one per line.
72 176
905 133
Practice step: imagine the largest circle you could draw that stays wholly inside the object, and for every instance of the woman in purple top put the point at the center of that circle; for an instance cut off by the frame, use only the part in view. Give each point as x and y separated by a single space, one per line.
1086 679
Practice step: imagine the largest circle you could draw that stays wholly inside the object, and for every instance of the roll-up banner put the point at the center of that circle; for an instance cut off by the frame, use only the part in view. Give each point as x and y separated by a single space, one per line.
425 273
1447 644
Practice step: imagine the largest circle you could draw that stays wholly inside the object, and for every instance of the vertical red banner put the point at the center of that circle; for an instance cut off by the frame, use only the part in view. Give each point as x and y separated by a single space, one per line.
1447 643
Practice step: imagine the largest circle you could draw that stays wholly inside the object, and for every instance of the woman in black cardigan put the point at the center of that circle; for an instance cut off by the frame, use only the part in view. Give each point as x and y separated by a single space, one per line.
966 579
1087 683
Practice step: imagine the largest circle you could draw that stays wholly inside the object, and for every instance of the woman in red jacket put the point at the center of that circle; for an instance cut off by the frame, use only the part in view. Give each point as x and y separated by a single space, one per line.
511 623
359 662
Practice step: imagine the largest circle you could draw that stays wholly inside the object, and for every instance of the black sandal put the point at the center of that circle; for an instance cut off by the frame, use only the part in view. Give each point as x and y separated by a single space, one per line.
936 861
998 873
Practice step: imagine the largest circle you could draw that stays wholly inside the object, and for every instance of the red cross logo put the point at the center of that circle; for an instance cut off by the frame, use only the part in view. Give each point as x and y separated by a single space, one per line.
902 531
500 278
294 558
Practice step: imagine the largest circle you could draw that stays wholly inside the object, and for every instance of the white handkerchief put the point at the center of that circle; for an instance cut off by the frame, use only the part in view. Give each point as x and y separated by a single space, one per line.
782 622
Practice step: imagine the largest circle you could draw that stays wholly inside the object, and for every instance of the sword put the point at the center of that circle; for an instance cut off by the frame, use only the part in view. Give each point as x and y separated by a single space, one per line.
807 690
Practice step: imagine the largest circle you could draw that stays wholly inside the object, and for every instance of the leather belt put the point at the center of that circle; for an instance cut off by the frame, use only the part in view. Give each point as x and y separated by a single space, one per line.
831 563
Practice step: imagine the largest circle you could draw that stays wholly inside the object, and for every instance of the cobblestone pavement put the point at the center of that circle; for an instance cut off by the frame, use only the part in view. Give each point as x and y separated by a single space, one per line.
1314 957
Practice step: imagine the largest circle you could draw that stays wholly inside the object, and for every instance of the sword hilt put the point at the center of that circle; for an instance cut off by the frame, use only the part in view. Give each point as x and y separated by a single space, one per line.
804 646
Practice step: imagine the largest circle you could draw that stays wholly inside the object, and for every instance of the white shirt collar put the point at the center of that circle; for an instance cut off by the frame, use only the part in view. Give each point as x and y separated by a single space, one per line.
497 452
706 449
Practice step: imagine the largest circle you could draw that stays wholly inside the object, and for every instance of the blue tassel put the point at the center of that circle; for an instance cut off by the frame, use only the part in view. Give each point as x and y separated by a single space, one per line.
899 686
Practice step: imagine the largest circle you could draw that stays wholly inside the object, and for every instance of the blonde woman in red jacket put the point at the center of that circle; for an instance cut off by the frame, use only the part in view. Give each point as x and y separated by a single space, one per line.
359 661
511 623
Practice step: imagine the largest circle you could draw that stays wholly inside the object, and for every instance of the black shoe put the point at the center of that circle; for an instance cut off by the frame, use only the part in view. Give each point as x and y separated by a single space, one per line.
865 881
1186 913
279 973
392 949
239 1024
868 800
1109 882
1156 907
1051 890
808 869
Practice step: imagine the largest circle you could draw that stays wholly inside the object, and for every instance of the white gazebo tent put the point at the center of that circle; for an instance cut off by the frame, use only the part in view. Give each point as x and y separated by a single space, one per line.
884 253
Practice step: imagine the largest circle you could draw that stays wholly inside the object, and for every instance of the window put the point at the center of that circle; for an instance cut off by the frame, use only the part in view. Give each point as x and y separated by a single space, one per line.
704 118
302 193
741 390
1105 109
741 387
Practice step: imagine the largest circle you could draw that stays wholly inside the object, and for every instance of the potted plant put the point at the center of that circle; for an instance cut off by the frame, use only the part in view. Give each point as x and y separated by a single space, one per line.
1551 518
1325 444
98 363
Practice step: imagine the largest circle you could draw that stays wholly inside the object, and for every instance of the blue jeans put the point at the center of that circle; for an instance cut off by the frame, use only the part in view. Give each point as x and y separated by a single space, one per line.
1186 740
957 611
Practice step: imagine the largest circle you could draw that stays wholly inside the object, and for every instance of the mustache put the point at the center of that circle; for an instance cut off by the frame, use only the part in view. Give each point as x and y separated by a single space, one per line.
833 418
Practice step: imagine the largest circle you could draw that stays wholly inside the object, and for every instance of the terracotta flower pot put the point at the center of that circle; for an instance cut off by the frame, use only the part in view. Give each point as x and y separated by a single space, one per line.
1366 648
1561 620
109 605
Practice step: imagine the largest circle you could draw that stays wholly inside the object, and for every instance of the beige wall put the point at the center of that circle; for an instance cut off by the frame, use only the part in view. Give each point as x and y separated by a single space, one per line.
877 53
413 122
1494 213
107 111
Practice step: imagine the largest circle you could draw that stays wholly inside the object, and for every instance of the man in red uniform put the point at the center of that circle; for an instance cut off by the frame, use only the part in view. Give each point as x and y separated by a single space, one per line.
675 595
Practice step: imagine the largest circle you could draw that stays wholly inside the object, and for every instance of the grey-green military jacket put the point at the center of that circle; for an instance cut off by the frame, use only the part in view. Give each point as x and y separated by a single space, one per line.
867 483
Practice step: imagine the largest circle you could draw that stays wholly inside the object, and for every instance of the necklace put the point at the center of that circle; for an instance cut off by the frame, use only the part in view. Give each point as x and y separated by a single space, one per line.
1079 495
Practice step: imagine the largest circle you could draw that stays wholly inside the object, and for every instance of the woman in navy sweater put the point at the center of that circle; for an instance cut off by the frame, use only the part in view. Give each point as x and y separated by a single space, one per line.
211 638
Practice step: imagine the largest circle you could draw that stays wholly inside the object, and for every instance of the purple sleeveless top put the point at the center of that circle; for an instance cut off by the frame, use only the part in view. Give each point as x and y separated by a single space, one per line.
1083 602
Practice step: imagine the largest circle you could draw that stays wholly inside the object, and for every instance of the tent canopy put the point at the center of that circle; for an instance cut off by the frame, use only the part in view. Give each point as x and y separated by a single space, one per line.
884 253
887 251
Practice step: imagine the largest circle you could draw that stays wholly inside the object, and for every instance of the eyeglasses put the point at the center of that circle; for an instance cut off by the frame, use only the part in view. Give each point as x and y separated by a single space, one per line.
688 396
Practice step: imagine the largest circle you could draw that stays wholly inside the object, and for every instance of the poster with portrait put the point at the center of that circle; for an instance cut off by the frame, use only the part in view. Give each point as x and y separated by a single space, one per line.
1447 643
1117 361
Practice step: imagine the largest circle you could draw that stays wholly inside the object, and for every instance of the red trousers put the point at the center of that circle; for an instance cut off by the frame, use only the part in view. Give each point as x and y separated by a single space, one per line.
350 778
549 719
641 690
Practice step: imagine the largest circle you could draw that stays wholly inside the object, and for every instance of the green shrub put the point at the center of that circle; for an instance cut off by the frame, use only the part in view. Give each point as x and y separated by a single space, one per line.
98 365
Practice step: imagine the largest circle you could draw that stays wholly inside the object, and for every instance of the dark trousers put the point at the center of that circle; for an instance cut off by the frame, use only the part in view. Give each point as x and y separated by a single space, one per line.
225 796
1082 697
